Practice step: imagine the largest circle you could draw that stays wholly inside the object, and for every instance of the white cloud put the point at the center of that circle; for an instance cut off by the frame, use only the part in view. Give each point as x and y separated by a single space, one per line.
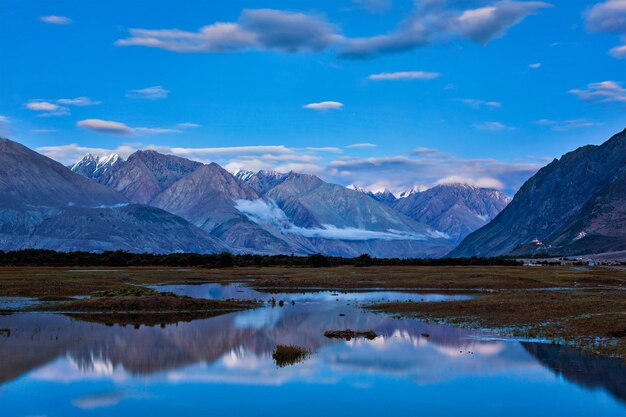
400 173
423 166
267 212
106 126
47 108
44 130
260 29
405 75
486 23
609 17
78 101
324 105
4 119
187 125
618 52
156 92
536 65
154 130
477 104
360 146
562 125
120 129
56 20
484 182
435 22
602 92
57 107
492 126
73 152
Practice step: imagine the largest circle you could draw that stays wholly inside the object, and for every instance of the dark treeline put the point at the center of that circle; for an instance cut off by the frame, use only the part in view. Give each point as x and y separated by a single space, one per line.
37 257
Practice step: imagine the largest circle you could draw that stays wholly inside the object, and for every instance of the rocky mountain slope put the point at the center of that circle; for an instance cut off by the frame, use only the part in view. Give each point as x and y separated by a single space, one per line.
335 220
455 209
45 205
140 178
575 205
207 198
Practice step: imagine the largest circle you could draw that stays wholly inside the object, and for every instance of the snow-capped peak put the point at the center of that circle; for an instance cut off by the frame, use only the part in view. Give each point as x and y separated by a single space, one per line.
93 166
243 174
413 190
355 187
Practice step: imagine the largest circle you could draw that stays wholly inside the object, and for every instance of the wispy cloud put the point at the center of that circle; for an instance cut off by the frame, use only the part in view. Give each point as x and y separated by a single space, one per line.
398 173
492 126
47 108
435 22
536 65
405 75
618 52
156 92
187 125
70 153
58 107
44 130
609 17
361 146
120 129
432 22
56 20
477 104
330 149
563 125
78 101
602 92
260 29
267 212
424 166
324 106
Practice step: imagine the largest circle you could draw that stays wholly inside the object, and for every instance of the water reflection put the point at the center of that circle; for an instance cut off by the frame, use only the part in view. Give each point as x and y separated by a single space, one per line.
223 365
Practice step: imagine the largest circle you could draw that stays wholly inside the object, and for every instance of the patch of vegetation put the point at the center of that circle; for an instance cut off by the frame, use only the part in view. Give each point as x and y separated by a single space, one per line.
287 355
591 319
350 334
148 301
137 320
134 292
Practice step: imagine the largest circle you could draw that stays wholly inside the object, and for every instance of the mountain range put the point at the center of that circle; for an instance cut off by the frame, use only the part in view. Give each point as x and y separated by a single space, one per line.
151 202
575 205
45 205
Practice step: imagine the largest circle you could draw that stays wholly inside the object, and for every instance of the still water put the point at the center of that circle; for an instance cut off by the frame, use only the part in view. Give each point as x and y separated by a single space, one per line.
53 365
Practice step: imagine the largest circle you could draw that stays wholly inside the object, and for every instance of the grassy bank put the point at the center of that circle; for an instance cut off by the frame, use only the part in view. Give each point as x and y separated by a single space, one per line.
588 309
591 319
42 282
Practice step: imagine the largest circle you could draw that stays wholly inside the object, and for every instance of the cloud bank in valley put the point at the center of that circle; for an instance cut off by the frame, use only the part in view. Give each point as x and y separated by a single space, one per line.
266 212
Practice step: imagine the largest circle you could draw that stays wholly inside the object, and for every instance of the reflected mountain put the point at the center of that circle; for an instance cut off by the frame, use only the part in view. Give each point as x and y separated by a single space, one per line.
593 372
237 348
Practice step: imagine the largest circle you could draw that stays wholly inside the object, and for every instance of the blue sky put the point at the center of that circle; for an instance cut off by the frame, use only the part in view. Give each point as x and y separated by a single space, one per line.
381 93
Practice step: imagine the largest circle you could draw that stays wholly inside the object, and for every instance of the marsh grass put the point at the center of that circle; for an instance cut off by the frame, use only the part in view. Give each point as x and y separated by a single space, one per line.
287 355
594 320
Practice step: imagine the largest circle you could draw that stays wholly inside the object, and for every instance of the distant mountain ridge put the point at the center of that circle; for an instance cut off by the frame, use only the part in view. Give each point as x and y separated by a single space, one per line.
45 205
264 212
270 212
575 205
454 209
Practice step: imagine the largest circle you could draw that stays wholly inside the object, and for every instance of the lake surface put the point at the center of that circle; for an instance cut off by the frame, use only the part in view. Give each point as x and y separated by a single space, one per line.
53 365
